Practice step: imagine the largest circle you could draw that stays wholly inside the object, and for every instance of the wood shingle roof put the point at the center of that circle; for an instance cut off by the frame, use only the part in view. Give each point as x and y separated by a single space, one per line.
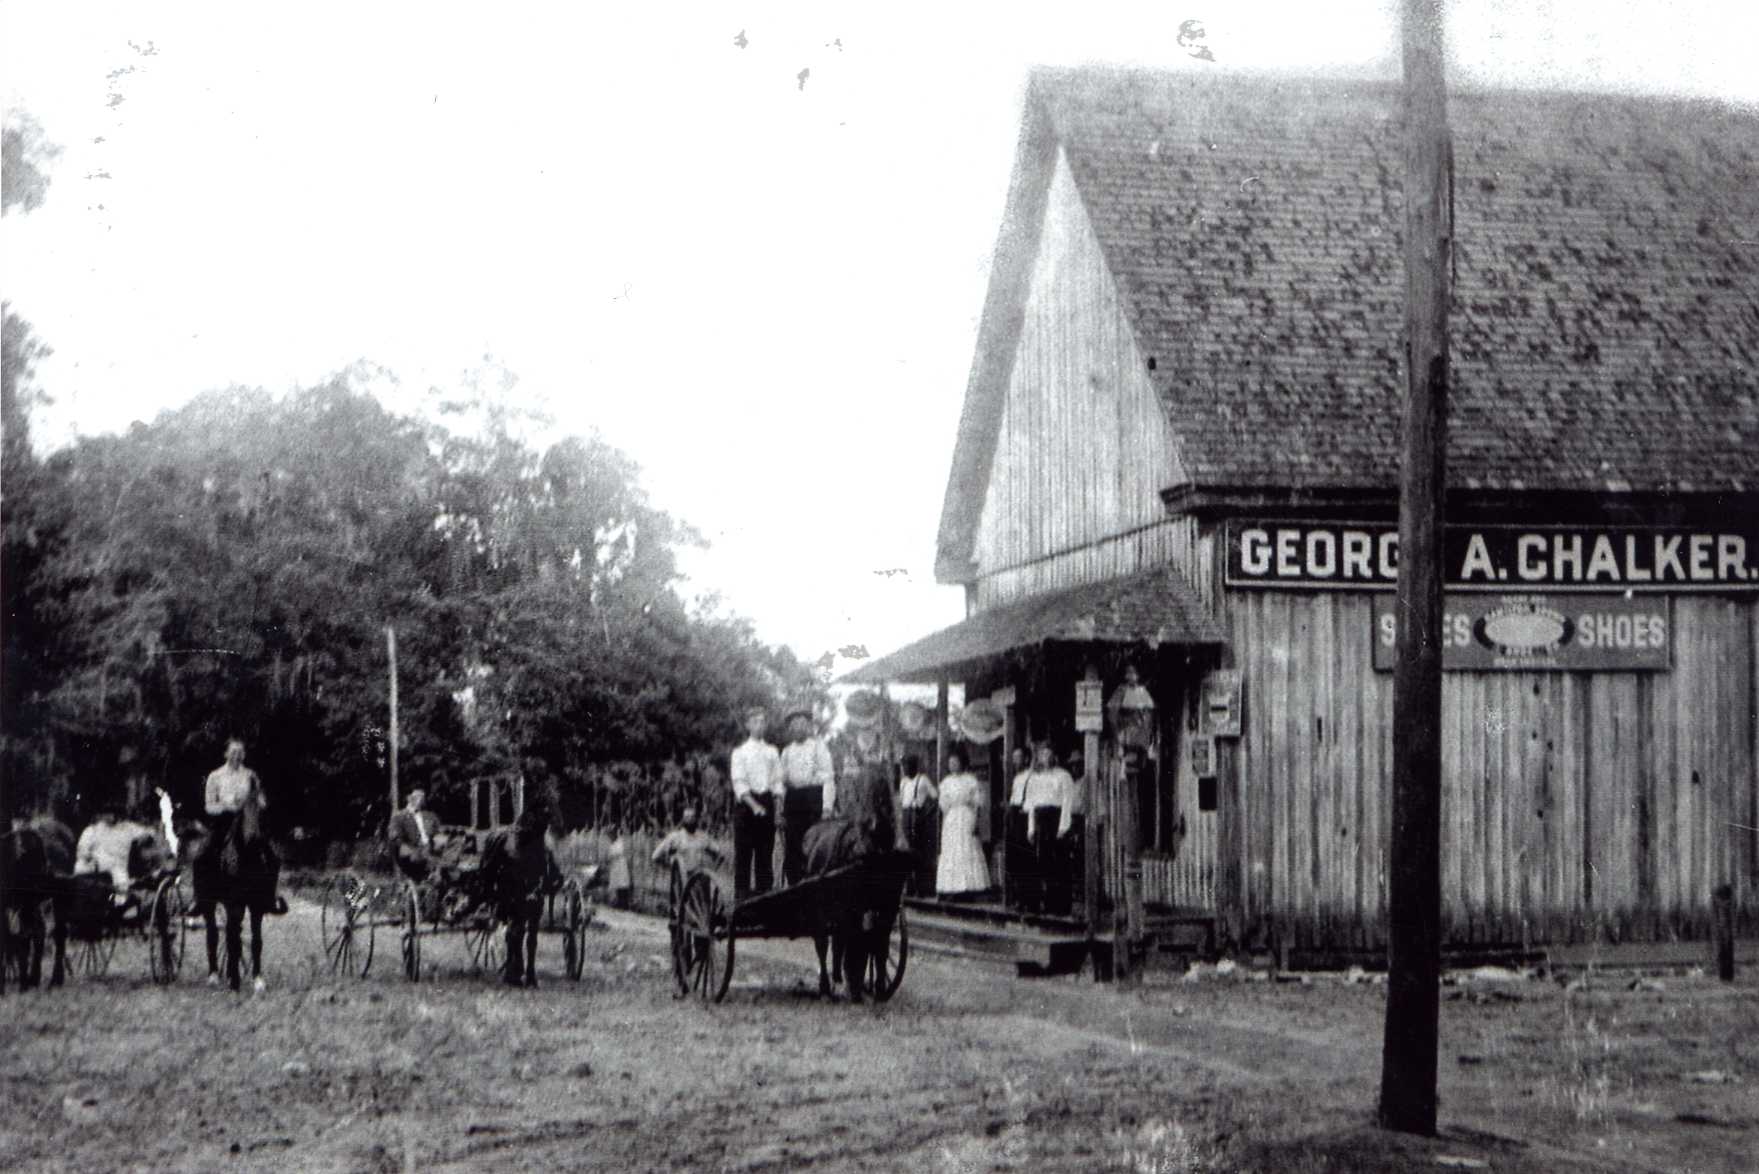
1606 321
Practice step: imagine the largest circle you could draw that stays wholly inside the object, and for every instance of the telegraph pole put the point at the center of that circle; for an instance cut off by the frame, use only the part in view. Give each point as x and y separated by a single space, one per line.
391 655
1413 1005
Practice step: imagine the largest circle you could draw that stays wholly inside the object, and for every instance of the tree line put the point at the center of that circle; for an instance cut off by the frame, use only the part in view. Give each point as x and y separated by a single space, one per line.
231 568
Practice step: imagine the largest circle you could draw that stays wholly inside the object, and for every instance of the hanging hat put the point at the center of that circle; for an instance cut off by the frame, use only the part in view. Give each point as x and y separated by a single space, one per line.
864 708
913 717
981 722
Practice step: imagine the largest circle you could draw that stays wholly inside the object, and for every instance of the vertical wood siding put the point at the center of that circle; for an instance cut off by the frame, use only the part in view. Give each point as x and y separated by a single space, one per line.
1084 447
1574 805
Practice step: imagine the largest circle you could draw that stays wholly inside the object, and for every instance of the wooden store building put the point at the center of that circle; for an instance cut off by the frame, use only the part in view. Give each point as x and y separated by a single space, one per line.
1178 453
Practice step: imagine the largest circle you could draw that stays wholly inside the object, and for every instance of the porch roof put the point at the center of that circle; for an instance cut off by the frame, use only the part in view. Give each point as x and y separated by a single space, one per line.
1150 607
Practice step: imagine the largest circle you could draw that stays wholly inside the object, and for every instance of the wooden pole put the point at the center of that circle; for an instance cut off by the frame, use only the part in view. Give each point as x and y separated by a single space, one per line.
940 729
1408 1055
1723 931
1090 789
391 652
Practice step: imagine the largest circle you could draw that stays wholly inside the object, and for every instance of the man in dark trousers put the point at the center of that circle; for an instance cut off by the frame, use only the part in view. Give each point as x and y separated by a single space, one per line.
810 790
757 781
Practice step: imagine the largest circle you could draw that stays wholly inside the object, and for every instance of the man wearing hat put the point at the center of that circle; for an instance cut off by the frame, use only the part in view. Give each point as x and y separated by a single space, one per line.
757 780
810 790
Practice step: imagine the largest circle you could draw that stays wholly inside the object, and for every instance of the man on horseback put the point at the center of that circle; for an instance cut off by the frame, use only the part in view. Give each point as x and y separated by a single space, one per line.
229 789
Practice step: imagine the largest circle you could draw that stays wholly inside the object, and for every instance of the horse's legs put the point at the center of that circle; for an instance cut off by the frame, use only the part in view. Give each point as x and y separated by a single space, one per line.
256 942
531 920
512 972
212 926
234 943
854 959
30 946
820 941
63 901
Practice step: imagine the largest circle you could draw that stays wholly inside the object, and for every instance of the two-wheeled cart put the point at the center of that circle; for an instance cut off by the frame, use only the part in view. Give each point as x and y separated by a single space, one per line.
863 901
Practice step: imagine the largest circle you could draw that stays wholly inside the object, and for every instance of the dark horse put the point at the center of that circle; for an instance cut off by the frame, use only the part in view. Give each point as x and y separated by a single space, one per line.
516 874
38 859
240 874
843 915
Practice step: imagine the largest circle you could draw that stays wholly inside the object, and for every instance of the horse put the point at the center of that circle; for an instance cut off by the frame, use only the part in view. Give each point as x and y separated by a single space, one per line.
831 844
241 874
516 874
38 872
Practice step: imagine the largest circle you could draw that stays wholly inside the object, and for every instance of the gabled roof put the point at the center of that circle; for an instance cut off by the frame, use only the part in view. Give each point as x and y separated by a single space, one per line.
1605 334
1153 607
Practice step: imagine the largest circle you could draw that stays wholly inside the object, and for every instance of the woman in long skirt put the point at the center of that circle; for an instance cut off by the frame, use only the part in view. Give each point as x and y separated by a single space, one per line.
962 870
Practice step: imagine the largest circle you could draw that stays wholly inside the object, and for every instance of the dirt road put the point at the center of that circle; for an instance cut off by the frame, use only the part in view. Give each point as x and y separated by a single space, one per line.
968 1068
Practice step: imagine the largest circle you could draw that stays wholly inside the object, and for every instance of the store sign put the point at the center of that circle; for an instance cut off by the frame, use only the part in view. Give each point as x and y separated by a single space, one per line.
1089 706
1584 633
1222 696
1365 556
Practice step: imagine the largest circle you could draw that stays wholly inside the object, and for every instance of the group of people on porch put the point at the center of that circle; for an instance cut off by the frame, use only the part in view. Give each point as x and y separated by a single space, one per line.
942 824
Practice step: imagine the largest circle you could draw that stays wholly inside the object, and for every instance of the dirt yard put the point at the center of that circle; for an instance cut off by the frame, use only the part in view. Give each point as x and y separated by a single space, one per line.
968 1069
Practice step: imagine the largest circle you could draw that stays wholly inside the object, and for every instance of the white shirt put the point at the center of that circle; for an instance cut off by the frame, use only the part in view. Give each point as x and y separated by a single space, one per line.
916 792
227 788
757 769
1043 788
808 764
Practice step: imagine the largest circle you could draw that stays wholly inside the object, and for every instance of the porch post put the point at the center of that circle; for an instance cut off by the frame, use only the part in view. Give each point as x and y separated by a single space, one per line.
940 728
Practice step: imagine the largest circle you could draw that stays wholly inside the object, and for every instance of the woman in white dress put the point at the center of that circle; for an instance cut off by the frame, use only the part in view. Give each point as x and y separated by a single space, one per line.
962 870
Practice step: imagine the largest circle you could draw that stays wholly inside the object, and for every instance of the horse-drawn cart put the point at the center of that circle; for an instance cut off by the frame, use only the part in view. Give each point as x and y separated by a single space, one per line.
153 909
452 900
859 906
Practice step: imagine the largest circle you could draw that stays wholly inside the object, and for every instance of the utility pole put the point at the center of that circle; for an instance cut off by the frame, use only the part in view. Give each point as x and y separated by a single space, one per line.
391 651
1413 1005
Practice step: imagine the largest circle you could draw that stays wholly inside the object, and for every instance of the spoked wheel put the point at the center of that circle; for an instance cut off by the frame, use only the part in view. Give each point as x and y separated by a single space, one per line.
675 925
483 939
167 929
412 933
93 955
709 940
347 925
574 931
887 956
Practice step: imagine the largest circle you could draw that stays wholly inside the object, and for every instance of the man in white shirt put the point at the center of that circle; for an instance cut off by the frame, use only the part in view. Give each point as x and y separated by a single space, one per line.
810 790
917 798
223 796
757 780
1043 792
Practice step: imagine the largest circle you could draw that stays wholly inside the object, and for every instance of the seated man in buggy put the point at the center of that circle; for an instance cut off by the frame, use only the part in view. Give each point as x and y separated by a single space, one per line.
120 855
423 851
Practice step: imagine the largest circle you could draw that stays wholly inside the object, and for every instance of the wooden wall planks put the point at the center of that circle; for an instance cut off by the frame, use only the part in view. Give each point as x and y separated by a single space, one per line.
1084 447
1574 804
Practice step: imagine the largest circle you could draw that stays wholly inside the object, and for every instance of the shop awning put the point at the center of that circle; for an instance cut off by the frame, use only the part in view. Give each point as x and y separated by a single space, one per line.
1152 607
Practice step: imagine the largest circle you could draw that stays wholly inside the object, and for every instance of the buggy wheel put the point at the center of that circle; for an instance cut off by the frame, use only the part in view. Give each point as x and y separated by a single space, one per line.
412 933
167 930
347 925
94 953
482 936
708 933
887 956
574 932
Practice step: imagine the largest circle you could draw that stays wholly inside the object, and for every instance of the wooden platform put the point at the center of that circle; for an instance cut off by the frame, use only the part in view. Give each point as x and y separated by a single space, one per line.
1046 944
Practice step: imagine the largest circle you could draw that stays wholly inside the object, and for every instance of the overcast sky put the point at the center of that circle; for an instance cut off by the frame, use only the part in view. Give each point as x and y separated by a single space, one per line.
757 268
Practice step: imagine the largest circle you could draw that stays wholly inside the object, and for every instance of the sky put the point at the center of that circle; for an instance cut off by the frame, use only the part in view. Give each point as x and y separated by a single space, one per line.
746 243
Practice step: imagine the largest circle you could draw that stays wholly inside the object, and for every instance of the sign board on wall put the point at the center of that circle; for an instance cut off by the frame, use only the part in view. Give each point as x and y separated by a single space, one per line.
1219 712
1562 632
1089 706
1202 757
1365 556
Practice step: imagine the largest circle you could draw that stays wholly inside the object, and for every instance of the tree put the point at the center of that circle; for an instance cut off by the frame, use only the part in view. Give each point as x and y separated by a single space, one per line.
24 158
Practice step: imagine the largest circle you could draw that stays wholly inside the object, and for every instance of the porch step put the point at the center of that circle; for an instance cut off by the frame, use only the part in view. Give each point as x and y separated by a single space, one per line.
1025 947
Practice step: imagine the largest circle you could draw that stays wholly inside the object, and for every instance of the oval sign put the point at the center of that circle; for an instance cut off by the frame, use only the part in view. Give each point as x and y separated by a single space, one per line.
1523 631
